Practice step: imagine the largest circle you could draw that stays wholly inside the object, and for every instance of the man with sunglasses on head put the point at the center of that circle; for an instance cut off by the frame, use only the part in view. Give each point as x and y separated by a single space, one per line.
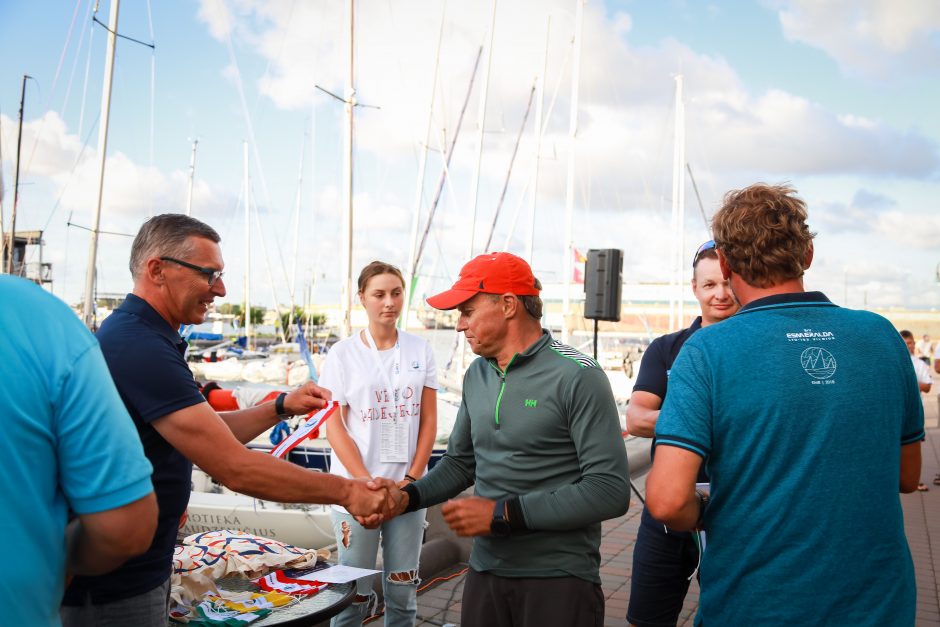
663 559
176 264
808 419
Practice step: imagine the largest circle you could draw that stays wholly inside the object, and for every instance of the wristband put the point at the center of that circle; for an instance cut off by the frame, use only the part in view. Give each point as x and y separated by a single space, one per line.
410 478
279 405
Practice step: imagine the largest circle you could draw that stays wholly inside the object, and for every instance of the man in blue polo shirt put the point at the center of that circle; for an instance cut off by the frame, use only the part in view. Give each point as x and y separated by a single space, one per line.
177 265
664 559
67 444
806 443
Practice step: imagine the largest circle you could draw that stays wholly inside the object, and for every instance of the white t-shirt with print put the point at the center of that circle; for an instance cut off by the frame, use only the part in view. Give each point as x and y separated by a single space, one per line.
921 370
350 372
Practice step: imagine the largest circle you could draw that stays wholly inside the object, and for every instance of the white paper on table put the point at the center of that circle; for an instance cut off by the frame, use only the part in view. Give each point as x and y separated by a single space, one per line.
338 574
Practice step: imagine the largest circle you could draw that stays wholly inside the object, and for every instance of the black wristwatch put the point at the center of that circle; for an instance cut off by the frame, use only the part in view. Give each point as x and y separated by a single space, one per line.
499 526
279 405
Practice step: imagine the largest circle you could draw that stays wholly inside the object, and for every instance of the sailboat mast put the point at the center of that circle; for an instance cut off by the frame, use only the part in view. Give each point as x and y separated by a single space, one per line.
419 186
569 193
447 157
3 242
350 99
91 270
677 217
248 343
192 176
293 266
680 166
539 104
16 181
481 124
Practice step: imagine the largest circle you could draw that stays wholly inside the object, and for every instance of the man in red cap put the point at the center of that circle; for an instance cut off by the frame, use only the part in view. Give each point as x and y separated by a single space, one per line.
539 436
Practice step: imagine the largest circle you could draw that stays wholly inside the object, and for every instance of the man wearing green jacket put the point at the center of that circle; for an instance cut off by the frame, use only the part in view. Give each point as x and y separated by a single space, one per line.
538 434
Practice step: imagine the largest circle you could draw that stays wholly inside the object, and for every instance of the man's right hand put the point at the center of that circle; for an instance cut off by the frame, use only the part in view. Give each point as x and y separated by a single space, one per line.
369 506
394 501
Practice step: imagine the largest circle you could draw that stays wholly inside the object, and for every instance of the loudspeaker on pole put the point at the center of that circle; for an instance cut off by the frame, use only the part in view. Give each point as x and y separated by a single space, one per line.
603 284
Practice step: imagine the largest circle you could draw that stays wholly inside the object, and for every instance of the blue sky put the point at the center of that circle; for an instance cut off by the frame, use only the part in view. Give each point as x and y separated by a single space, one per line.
836 98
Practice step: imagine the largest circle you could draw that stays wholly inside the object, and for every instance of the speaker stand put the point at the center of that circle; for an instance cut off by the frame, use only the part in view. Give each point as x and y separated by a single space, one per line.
595 339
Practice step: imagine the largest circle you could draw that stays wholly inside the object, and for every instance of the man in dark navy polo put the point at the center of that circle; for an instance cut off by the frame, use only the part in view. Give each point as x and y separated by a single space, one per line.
663 559
177 266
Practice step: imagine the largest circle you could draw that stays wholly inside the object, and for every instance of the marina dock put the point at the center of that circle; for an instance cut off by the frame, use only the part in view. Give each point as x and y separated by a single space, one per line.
439 602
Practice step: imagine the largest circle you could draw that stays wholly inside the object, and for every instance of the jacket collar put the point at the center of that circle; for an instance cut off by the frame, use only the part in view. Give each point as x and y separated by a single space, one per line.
528 353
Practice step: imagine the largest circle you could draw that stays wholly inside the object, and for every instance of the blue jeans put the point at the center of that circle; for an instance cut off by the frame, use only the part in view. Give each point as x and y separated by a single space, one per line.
401 539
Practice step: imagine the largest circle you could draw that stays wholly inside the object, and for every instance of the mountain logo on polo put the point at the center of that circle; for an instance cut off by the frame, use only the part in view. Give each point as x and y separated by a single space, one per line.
818 362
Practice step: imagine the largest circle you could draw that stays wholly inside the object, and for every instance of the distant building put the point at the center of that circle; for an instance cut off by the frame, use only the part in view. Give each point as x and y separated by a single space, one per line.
27 248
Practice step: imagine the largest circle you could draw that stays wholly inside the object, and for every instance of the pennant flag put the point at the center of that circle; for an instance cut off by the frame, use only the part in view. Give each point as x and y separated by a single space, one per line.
305 430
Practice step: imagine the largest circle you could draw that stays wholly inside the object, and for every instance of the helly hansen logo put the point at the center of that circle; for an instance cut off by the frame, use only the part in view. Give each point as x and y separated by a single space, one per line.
531 402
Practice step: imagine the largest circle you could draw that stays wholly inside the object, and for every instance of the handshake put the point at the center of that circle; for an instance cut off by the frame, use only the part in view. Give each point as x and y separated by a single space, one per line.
373 501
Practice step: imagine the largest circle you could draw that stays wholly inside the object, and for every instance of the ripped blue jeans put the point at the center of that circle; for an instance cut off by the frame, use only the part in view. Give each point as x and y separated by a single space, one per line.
401 539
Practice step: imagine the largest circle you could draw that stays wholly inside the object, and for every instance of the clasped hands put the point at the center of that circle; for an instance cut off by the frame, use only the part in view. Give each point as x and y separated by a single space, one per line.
383 499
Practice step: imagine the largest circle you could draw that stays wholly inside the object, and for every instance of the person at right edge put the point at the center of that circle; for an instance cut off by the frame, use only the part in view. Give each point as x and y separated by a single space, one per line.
808 419
664 560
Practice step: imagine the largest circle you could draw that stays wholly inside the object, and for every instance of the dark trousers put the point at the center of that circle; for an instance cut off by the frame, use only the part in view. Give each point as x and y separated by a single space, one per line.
494 601
663 562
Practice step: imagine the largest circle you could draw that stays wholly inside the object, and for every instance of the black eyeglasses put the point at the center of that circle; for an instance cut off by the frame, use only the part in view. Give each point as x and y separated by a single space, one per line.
212 275
709 245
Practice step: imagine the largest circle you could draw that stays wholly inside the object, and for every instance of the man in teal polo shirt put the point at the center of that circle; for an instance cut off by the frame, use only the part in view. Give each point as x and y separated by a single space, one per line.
808 419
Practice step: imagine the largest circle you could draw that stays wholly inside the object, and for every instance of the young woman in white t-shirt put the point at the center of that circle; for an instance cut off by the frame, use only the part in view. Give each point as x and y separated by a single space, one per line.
385 381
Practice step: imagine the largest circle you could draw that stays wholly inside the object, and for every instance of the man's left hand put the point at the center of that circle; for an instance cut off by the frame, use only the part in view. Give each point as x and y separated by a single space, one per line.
305 399
470 516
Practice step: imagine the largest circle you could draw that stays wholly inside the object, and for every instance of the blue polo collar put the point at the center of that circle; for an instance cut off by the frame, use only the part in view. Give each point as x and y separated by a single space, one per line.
792 299
137 306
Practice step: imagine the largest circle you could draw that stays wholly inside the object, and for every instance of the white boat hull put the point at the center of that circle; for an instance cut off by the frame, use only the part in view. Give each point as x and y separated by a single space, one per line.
306 526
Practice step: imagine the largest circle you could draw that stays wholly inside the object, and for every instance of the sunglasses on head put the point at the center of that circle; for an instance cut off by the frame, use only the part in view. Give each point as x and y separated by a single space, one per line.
709 245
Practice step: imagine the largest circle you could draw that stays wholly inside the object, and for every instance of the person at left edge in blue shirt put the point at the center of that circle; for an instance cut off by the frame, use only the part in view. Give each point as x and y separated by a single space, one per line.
68 444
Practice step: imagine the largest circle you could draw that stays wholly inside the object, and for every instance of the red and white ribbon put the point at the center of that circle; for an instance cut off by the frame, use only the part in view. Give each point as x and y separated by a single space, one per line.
305 430
279 582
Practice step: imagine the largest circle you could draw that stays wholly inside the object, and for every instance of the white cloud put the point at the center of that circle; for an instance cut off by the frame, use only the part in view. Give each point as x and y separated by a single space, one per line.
735 134
626 97
909 229
875 38
54 164
861 214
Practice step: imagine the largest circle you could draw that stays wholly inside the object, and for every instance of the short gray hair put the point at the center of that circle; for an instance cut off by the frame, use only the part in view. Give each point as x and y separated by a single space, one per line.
531 304
167 235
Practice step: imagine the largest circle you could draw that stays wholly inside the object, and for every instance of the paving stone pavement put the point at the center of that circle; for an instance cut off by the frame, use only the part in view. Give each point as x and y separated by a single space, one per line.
439 604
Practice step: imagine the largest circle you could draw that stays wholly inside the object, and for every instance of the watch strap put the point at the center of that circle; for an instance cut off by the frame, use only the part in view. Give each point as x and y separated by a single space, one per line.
279 405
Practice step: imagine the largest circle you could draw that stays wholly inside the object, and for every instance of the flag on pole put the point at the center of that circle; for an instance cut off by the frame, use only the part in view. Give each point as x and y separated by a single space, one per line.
578 267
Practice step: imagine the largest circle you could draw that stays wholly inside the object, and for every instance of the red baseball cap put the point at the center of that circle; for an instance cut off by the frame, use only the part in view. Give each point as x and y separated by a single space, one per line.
490 273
